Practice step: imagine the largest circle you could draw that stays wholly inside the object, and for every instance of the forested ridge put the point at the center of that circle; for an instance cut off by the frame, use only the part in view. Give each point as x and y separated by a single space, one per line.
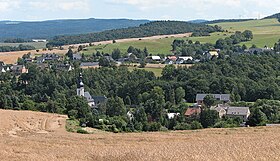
51 28
144 30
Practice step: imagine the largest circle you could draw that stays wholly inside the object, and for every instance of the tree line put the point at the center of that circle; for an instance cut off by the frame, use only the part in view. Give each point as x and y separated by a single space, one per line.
21 47
144 30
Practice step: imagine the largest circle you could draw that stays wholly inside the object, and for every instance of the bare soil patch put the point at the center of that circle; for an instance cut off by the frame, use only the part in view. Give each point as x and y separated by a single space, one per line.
260 143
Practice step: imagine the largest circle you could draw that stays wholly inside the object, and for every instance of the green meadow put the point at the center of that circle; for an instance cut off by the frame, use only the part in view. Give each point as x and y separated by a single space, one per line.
266 32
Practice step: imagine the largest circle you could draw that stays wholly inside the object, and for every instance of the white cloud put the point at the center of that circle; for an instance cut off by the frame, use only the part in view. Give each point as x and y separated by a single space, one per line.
195 4
6 5
65 5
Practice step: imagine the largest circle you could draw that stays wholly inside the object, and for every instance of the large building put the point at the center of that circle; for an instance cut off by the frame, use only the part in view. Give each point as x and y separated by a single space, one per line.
93 101
81 91
223 98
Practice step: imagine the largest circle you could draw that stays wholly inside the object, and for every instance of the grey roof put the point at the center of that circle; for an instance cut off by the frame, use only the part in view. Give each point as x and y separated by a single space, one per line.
77 56
99 99
88 97
237 111
89 64
2 63
221 97
17 67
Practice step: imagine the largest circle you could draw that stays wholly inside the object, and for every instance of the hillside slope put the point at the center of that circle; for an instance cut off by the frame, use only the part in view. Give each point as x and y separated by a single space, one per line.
145 30
266 31
26 135
277 15
49 29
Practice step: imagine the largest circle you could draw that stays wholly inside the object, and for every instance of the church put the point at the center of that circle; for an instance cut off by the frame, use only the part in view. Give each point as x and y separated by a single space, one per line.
81 92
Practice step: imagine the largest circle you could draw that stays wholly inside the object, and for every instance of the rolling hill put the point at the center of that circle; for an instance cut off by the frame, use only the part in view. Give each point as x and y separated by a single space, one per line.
266 32
154 28
49 29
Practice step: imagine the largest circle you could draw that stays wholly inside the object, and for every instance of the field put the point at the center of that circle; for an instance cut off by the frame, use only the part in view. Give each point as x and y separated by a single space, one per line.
155 44
26 135
156 71
266 32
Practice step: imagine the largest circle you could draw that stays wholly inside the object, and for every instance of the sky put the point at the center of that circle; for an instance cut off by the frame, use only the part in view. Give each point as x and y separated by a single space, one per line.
38 10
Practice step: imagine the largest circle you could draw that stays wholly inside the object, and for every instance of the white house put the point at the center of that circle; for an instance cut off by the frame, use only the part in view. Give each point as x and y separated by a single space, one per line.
172 115
156 58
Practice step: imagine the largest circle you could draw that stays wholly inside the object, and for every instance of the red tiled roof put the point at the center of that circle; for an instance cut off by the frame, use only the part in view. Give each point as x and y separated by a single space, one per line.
192 111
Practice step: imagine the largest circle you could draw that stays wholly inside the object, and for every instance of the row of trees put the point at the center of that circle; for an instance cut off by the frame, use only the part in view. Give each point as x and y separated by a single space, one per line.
16 48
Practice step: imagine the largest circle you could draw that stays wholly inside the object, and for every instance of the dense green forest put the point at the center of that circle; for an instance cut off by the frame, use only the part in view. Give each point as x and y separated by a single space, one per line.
16 48
144 30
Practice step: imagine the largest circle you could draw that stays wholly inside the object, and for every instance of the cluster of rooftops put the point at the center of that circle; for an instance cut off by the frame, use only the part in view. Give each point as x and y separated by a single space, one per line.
224 109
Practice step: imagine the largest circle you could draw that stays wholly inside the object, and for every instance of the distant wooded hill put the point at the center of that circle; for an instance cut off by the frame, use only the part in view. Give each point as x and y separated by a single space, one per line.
144 30
277 15
226 20
49 29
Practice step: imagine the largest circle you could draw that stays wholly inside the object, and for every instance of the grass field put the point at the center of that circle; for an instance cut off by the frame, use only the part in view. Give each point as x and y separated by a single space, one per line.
157 71
266 32
37 45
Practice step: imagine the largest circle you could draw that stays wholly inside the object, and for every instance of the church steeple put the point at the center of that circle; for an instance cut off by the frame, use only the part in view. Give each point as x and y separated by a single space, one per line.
80 86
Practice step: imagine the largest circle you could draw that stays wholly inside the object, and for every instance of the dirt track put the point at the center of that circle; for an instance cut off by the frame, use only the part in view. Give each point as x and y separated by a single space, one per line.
42 136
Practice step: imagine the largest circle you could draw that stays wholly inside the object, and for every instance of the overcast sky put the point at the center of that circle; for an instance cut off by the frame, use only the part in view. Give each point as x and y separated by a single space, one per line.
136 9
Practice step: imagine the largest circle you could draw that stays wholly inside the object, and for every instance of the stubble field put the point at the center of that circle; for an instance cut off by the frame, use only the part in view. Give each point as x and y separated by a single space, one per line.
26 135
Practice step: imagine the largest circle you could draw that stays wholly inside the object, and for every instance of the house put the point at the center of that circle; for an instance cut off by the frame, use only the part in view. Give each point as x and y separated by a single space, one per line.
221 109
77 56
64 67
2 63
153 59
212 53
43 66
169 61
48 57
241 112
172 115
224 98
19 69
193 110
172 57
89 65
2 69
183 59
130 115
257 50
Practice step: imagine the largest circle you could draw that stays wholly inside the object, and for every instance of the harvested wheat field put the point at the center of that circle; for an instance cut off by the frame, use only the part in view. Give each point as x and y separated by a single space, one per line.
38 136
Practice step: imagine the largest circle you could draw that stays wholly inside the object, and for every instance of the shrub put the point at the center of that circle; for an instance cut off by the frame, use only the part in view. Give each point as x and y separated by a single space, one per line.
182 126
196 125
82 131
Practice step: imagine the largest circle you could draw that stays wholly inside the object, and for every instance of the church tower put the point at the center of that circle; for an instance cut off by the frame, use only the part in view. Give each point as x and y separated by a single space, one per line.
80 86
